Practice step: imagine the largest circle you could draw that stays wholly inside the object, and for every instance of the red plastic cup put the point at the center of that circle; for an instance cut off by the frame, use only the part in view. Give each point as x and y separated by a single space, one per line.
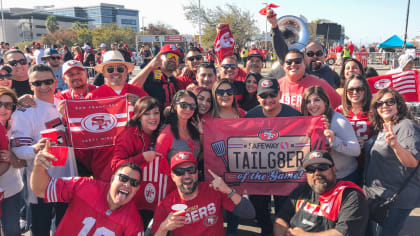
60 152
178 208
51 134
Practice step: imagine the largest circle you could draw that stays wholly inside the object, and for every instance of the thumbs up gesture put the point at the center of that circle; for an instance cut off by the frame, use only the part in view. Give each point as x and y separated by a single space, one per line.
43 158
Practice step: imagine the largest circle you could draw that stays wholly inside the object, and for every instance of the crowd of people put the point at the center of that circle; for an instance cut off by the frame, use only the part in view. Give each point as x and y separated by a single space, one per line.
152 178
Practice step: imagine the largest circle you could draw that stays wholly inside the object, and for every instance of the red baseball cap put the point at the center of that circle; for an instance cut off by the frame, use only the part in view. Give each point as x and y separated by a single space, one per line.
182 157
171 48
37 44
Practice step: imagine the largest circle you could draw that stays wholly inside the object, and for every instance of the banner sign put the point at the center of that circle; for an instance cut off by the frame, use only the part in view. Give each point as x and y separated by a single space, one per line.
96 123
406 83
261 155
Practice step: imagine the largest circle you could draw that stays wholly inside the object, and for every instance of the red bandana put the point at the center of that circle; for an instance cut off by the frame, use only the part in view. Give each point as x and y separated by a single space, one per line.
264 10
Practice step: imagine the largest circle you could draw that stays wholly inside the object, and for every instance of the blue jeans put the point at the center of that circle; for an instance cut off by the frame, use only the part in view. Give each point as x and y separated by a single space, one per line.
392 225
10 208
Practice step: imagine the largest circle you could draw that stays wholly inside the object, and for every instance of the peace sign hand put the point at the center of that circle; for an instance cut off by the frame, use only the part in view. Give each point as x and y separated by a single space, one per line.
218 184
390 137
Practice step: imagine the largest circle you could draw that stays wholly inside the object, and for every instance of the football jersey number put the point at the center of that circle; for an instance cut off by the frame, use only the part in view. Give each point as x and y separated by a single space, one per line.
361 128
88 225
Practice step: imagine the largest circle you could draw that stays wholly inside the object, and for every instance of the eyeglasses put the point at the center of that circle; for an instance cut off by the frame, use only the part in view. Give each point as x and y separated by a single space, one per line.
320 167
265 95
389 102
297 61
227 66
181 171
120 69
197 58
6 76
20 61
318 53
8 105
358 90
170 55
55 58
222 92
39 83
185 105
124 178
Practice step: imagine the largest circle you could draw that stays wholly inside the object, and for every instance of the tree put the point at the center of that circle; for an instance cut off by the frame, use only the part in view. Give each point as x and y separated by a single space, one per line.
77 25
161 29
241 23
51 24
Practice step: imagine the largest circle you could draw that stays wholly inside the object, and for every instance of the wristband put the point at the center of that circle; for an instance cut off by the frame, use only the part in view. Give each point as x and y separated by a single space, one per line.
231 193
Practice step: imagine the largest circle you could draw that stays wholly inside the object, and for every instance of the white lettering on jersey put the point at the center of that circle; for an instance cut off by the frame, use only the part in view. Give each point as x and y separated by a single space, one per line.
360 127
88 223
295 100
201 213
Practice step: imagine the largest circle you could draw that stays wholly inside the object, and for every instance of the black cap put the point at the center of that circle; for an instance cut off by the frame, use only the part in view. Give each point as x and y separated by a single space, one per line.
268 85
7 68
318 157
255 54
49 52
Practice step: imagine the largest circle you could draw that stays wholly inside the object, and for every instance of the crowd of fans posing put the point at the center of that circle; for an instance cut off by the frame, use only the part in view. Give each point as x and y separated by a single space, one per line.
155 169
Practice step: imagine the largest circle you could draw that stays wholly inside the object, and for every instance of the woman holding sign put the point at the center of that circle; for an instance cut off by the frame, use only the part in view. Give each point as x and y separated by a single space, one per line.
11 179
391 156
338 132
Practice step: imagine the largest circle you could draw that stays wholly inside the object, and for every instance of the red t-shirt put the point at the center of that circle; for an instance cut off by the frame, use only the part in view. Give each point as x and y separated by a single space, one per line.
292 92
339 49
106 91
69 94
88 212
4 140
204 214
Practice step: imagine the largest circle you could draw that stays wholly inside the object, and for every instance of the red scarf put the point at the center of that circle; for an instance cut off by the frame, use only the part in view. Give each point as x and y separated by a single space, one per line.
330 201
224 43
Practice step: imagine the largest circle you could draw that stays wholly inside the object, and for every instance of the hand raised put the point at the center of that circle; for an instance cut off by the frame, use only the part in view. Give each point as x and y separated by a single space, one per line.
218 184
43 157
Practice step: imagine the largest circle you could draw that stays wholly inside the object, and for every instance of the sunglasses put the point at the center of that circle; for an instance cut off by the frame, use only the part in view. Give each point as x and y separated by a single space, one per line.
320 167
40 82
197 58
389 102
251 82
124 179
222 92
55 58
170 55
15 62
8 105
120 69
265 95
358 90
227 66
181 171
297 61
185 105
317 53
6 76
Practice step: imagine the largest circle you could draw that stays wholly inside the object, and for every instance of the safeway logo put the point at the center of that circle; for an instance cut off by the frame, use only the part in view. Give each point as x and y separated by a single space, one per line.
382 83
99 122
268 134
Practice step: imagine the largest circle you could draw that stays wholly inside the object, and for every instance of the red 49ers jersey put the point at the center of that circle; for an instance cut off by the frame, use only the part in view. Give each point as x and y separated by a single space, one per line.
204 214
88 212
360 123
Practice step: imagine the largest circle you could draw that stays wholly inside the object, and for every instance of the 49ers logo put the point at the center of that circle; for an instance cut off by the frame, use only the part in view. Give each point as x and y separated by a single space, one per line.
382 83
211 220
268 134
99 122
266 83
315 155
150 193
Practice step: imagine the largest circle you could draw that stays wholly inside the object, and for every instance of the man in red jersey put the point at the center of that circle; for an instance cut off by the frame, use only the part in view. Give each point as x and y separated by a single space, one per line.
204 202
95 207
293 85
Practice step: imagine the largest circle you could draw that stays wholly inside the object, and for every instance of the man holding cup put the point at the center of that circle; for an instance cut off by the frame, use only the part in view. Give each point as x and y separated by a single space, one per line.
197 207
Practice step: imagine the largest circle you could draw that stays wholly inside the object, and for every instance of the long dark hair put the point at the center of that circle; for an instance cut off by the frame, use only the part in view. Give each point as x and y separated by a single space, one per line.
11 93
366 98
318 90
216 110
142 106
172 118
402 110
342 75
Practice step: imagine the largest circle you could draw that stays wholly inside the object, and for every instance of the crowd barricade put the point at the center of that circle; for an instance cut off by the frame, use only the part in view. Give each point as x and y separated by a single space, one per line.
91 73
363 58
417 61
381 58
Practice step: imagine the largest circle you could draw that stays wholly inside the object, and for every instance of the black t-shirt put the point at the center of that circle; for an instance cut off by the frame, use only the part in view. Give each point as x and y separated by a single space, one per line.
286 110
162 90
22 87
302 210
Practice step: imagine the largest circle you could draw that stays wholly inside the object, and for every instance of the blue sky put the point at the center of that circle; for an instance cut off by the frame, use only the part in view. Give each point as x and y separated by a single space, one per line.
365 21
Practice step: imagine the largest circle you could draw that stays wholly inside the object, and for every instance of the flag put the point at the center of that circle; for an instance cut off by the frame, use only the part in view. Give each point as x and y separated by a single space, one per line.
406 83
264 10
261 155
224 42
96 123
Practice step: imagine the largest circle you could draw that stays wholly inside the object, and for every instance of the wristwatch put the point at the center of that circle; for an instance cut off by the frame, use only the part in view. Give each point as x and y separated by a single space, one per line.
231 193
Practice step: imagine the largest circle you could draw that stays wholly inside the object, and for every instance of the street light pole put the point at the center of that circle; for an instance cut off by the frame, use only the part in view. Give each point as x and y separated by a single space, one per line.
3 30
406 26
142 23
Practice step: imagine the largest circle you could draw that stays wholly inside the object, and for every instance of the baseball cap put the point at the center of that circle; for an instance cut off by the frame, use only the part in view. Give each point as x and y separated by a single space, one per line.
70 64
317 157
7 68
103 45
255 54
268 85
171 48
182 157
37 44
86 47
404 59
49 52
